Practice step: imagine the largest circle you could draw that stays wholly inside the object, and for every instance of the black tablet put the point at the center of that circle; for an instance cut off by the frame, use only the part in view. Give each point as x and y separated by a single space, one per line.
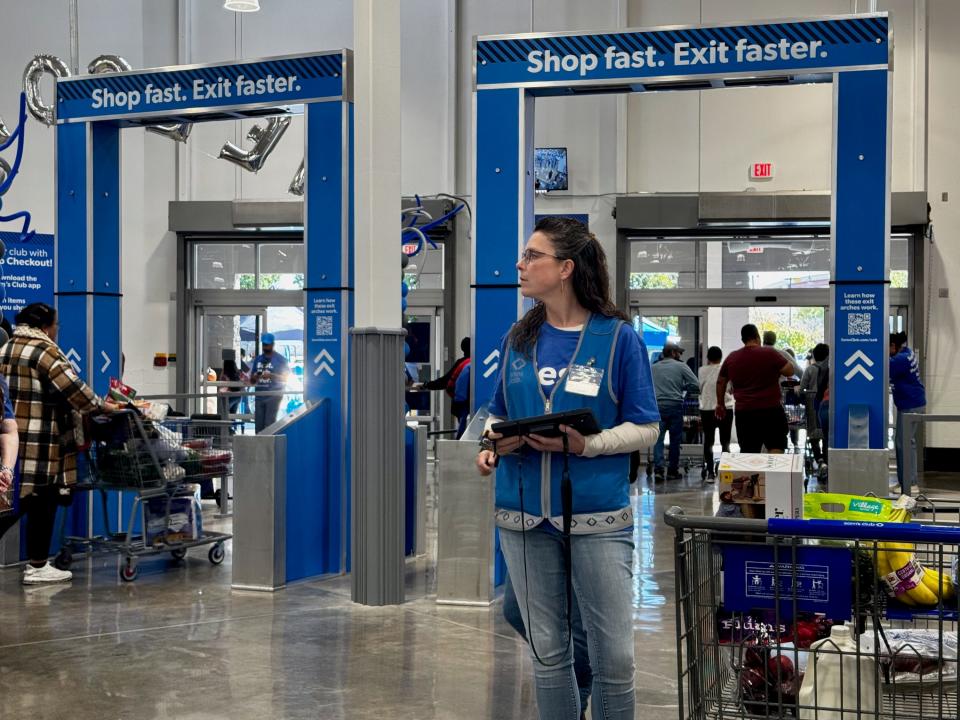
581 420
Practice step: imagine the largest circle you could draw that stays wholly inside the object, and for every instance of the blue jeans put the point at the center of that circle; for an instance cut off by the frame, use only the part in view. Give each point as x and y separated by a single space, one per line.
898 444
671 420
602 583
581 653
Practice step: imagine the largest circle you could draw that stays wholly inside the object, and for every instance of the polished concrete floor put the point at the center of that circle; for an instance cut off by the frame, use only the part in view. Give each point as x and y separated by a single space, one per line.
179 643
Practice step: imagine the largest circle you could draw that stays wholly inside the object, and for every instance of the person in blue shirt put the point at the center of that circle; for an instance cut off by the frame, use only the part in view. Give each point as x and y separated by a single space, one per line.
268 374
564 502
909 395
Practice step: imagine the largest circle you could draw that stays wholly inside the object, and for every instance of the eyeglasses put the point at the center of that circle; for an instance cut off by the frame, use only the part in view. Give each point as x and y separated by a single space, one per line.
528 256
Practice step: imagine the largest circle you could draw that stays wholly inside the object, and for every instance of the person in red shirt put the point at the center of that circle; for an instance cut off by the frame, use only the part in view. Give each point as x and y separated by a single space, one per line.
755 371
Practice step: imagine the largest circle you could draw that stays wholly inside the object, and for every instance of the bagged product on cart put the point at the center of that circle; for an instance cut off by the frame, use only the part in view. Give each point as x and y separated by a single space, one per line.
911 655
837 506
180 525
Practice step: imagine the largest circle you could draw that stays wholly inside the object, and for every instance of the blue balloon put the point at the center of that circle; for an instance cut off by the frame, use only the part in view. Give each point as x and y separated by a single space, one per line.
406 349
404 289
403 304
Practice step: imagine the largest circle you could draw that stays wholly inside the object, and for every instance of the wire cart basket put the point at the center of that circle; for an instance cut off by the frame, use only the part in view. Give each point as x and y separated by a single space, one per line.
788 618
159 463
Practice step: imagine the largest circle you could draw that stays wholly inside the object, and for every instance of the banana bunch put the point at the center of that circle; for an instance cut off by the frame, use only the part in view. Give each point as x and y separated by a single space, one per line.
905 577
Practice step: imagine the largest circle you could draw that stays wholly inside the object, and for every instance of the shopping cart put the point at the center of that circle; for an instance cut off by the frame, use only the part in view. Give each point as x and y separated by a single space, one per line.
794 407
757 603
159 463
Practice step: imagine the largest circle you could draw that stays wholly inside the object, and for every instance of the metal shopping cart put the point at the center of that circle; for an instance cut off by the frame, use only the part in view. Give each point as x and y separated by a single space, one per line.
794 407
757 602
159 463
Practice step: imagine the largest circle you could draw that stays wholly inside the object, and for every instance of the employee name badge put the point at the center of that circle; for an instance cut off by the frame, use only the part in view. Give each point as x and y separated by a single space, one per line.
584 380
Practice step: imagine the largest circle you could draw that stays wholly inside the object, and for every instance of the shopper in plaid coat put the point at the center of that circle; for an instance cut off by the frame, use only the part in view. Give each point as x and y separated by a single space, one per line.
48 398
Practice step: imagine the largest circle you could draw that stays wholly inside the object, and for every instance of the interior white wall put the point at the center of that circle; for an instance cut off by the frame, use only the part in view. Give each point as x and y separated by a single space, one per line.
705 141
941 364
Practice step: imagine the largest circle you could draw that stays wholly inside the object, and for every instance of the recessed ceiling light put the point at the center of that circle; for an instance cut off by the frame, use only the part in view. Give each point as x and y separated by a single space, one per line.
242 5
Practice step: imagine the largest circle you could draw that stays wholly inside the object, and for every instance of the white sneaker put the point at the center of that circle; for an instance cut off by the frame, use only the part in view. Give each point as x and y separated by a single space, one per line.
45 575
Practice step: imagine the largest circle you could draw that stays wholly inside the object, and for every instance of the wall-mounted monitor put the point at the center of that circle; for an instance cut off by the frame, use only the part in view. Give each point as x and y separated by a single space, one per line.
550 169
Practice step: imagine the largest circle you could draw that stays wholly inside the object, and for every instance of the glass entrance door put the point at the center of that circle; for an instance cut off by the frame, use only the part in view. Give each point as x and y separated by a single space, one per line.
226 334
686 327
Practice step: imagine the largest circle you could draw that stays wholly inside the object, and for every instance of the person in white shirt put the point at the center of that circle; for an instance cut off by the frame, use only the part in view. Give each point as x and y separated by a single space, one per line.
707 378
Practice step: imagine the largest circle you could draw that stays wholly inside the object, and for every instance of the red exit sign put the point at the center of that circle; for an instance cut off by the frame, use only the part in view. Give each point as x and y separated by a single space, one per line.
761 171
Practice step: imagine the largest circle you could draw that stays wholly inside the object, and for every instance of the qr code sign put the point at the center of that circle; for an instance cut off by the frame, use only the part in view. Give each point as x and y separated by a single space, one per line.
324 325
858 324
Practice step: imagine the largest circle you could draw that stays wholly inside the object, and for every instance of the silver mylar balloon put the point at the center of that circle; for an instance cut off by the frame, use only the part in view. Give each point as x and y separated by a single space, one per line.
296 185
4 171
175 131
108 63
39 65
4 133
264 139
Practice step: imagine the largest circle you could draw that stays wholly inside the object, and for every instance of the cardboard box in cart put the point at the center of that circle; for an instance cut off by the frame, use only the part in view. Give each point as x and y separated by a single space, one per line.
773 481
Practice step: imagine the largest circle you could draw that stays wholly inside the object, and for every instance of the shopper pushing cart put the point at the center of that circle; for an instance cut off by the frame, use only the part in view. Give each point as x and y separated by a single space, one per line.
707 378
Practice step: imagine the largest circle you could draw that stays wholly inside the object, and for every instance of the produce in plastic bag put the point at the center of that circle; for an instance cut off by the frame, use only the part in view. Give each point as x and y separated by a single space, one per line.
913 655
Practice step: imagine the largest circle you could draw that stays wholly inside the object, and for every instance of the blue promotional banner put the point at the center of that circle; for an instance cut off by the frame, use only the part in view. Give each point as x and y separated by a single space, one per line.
817 578
27 272
193 89
813 46
859 366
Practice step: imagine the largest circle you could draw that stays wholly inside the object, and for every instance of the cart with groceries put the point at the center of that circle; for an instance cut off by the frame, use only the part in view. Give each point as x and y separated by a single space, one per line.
850 612
137 450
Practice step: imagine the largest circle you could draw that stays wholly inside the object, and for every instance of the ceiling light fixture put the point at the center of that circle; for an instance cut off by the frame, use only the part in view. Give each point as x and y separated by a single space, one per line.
242 5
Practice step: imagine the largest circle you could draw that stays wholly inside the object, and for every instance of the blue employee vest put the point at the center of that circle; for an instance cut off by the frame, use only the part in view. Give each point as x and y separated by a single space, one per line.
601 501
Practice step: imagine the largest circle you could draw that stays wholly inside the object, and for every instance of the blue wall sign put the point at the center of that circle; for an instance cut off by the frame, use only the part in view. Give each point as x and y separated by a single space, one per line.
814 46
193 89
819 579
859 367
27 272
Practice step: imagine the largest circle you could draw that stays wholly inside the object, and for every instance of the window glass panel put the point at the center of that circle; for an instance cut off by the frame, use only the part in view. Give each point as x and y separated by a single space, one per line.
766 264
662 264
281 266
899 261
425 269
224 266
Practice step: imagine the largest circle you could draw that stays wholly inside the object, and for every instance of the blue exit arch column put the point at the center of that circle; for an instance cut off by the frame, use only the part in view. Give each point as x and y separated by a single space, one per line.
91 113
851 51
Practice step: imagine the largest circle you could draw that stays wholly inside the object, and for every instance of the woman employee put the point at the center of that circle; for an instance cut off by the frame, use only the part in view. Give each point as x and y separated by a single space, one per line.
572 350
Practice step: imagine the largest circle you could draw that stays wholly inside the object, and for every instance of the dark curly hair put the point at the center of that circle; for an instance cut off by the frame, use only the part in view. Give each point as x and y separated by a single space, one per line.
590 280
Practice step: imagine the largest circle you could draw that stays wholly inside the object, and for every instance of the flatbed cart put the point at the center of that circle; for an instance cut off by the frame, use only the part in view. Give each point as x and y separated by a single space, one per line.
160 466
757 602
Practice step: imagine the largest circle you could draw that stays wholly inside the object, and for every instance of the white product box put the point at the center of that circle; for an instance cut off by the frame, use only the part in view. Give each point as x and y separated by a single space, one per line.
774 481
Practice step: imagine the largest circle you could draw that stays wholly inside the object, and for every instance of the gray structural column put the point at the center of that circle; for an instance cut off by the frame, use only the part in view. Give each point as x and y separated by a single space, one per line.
376 350
377 459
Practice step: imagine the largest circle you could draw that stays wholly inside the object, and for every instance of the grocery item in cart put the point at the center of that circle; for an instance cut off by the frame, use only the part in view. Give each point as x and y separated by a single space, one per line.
913 655
839 683
774 481
181 525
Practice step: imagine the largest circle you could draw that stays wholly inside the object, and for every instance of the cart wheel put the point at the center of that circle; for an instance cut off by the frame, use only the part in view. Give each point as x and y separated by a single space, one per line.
64 559
179 553
129 570
217 554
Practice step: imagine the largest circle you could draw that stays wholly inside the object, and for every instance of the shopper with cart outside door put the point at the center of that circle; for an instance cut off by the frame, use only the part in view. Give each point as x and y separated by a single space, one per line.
48 399
268 375
573 331
909 396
